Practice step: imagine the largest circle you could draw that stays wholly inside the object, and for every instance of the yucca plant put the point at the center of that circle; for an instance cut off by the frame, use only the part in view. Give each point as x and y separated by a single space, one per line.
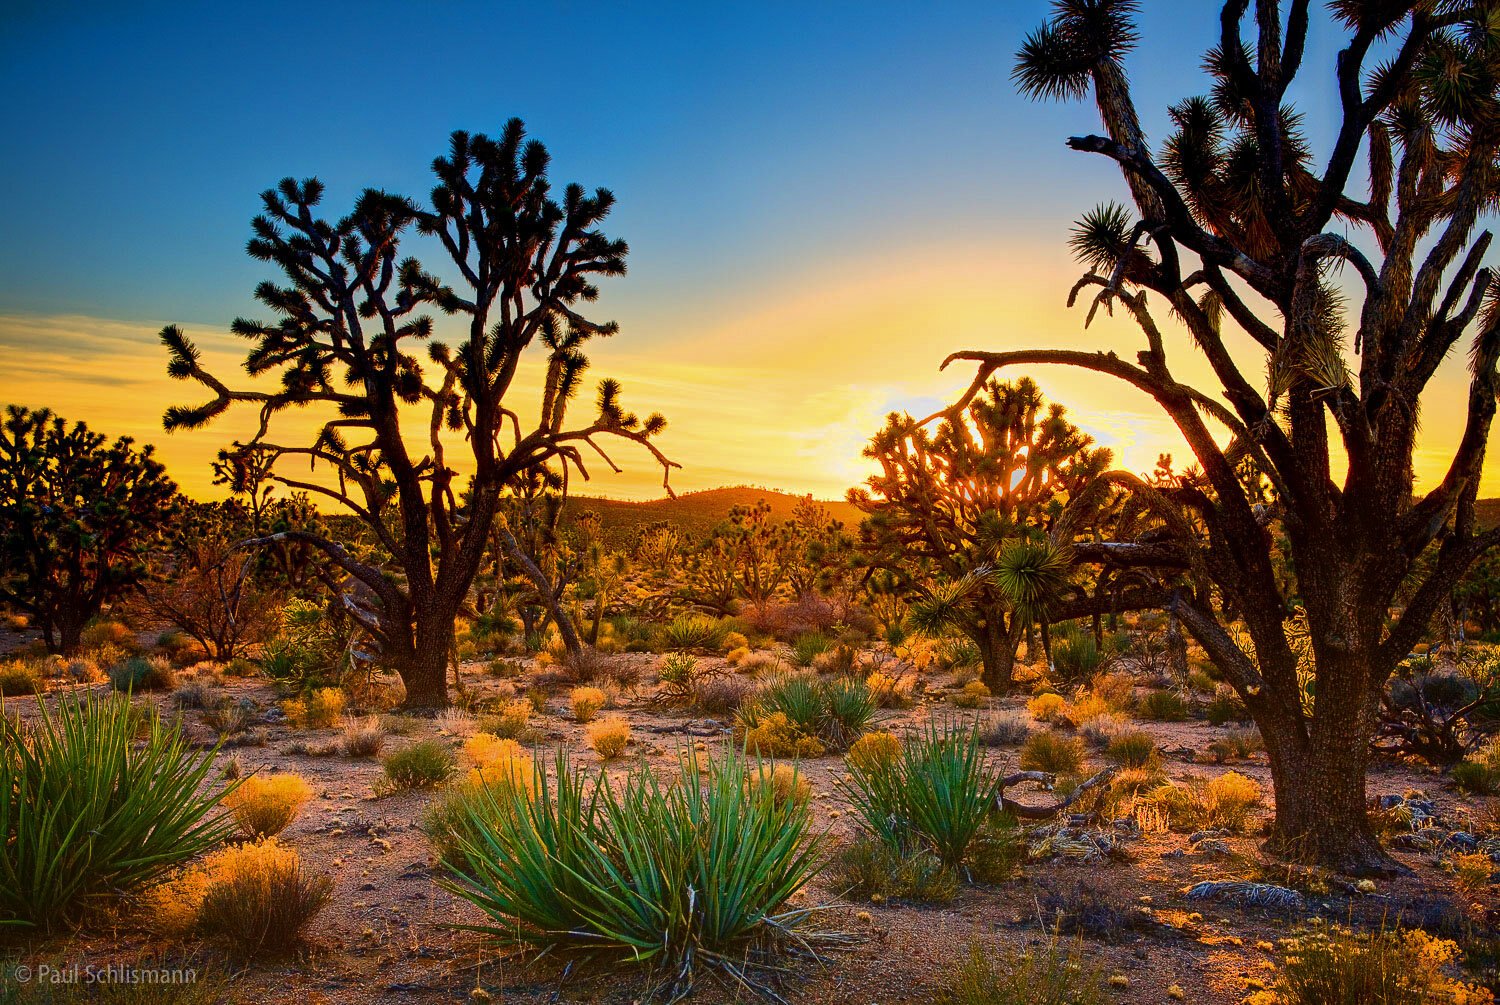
675 877
835 710
938 794
86 812
693 631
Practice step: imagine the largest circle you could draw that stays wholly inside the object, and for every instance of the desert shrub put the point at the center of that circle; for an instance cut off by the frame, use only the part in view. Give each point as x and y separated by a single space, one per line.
809 646
103 632
1048 707
676 673
1004 731
264 805
1472 872
869 868
958 653
1236 743
733 641
673 876
693 631
786 782
587 665
760 661
1131 750
227 717
1050 975
455 721
1100 730
1224 802
417 766
1334 966
1162 706
608 736
1226 706
1228 800
1075 657
513 721
143 673
259 896
892 690
720 694
88 810
734 656
1083 907
1475 777
194 694
1052 752
973 695
362 737
319 709
874 752
834 710
937 794
585 703
772 734
21 677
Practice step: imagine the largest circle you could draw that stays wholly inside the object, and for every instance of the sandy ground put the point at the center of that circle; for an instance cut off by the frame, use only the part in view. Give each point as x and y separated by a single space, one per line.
388 934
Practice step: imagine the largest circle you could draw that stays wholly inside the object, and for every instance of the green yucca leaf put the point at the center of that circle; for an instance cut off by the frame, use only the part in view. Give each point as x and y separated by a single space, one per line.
672 876
88 813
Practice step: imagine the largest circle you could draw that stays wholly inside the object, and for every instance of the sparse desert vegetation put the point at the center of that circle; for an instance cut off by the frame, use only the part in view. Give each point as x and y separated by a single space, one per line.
379 706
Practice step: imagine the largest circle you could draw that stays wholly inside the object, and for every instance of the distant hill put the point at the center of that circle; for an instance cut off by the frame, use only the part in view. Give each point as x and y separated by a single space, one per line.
696 513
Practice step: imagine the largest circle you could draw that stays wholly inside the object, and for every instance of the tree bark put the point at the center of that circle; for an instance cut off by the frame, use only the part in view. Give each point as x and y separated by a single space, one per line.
1321 804
997 652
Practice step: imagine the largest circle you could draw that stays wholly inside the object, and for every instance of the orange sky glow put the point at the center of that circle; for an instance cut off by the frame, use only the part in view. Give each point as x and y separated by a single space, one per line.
784 395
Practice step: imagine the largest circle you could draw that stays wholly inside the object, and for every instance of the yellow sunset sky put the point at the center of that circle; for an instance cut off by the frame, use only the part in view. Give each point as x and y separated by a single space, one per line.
784 396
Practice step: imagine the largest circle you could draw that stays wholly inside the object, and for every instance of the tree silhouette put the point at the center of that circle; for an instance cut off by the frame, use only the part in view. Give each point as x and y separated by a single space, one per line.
76 519
982 499
1238 228
347 319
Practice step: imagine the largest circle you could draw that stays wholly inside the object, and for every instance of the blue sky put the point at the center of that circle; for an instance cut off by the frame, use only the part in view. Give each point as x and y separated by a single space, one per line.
821 199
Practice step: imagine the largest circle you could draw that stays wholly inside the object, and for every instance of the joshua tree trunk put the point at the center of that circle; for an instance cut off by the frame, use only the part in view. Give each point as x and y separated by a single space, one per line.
997 651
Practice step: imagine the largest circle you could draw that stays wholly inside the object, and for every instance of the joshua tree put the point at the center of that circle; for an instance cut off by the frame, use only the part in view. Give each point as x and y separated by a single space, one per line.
347 319
76 520
982 499
1240 227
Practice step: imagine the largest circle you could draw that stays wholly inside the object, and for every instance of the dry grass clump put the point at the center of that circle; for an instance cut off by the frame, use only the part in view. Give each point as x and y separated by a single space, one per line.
1224 802
973 695
319 709
1051 975
1134 749
733 641
1100 730
513 721
760 661
421 765
21 677
1472 872
775 735
1048 707
1004 731
874 752
454 722
1052 752
720 694
585 702
109 633
608 736
785 782
892 690
83 670
362 737
1236 744
499 762
1162 706
1334 966
735 656
257 896
143 673
265 805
